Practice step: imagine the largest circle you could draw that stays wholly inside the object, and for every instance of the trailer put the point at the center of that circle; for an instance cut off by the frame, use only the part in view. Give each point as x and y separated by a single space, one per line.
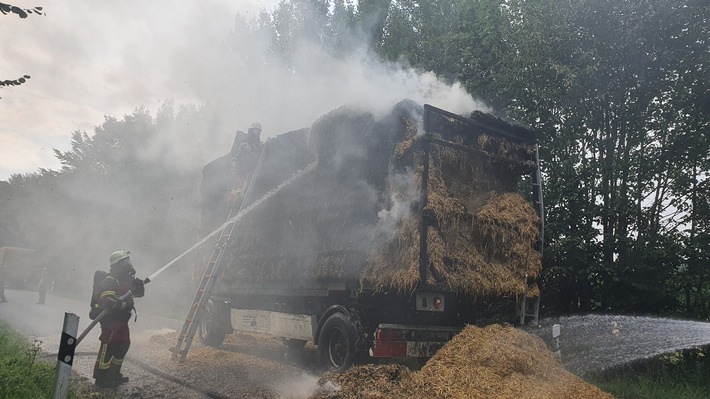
382 237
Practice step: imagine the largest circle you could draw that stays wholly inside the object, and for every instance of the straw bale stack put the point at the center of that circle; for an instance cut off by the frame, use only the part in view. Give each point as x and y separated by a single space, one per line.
483 235
495 362
356 214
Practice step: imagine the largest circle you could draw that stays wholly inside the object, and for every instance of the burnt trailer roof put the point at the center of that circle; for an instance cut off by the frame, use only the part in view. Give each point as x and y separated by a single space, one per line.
343 201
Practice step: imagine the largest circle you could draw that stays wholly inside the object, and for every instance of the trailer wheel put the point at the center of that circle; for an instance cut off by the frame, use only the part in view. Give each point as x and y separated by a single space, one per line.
336 343
211 332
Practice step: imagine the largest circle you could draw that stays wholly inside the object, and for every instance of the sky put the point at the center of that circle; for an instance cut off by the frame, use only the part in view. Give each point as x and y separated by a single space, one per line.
87 60
97 59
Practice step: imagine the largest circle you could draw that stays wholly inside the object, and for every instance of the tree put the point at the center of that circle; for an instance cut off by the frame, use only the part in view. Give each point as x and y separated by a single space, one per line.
22 13
617 91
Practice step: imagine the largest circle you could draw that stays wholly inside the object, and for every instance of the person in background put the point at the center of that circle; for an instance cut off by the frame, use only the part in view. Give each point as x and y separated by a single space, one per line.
3 270
42 286
244 161
224 184
224 180
115 336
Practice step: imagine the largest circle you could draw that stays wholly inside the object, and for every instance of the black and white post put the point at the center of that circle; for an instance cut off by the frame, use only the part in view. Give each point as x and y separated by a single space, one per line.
65 357
556 339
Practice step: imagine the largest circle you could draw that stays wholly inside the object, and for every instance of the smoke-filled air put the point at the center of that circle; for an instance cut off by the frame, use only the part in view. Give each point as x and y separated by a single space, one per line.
133 182
356 198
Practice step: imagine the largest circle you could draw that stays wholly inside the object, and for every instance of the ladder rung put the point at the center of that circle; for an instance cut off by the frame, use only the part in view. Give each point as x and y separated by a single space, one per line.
205 288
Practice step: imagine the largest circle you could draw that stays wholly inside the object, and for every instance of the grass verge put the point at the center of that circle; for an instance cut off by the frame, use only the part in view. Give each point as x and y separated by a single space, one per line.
680 375
26 374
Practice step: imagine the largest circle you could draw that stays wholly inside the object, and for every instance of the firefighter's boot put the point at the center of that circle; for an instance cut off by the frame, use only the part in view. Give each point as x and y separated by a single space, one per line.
120 378
106 378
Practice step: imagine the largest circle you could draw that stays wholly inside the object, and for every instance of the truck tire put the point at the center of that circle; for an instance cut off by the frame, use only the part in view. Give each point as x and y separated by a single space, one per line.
211 331
336 343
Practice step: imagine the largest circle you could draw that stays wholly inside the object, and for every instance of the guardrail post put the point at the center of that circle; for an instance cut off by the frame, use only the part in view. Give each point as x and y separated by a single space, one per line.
65 357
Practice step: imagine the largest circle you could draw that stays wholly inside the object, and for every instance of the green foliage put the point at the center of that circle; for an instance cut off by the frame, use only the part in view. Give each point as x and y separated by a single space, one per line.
15 82
22 376
618 92
680 375
20 12
6 9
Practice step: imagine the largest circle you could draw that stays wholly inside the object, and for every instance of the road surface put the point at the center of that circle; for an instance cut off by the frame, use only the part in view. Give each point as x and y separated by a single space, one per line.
244 366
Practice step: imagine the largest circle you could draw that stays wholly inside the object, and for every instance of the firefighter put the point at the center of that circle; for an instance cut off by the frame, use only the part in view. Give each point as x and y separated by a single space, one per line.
224 180
254 136
224 184
115 337
244 161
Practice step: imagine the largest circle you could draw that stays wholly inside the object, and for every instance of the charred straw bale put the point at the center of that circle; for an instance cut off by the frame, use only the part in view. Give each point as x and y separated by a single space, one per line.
357 214
497 361
321 226
304 231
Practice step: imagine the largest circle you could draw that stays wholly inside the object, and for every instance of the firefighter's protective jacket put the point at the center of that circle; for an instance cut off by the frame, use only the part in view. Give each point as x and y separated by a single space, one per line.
113 288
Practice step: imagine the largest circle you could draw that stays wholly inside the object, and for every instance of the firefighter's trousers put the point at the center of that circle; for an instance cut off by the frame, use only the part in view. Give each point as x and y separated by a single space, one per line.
115 340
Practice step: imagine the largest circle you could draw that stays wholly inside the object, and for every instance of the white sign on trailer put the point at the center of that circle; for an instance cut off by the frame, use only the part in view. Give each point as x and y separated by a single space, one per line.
286 325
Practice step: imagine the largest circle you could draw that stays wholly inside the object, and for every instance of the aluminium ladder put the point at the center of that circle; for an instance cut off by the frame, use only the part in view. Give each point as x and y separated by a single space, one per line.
529 308
210 276
204 290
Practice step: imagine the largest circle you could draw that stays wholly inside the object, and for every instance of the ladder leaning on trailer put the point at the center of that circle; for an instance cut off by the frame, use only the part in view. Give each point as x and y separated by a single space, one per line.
210 276
528 309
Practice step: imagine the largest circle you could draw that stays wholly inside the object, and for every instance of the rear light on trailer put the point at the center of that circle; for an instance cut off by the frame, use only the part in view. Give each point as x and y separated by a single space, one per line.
430 301
397 340
388 334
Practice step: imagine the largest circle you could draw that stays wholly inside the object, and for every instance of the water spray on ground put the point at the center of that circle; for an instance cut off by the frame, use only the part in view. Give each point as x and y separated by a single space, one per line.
595 343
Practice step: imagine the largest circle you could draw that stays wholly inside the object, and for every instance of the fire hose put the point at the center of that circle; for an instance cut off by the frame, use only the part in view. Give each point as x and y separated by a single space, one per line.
124 297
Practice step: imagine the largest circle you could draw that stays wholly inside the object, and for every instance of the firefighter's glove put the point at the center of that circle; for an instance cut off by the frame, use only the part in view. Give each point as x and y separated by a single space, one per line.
138 288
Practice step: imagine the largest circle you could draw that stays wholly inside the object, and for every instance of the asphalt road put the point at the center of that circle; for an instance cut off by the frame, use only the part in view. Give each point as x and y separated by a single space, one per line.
44 322
243 367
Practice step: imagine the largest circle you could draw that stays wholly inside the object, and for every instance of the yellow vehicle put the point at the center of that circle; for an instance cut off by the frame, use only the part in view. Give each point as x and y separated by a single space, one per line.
19 266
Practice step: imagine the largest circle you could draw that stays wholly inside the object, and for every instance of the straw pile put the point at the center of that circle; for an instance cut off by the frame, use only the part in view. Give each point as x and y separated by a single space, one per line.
356 215
495 362
482 233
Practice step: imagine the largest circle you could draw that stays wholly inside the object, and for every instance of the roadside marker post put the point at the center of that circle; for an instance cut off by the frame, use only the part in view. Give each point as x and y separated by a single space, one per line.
65 357
556 337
